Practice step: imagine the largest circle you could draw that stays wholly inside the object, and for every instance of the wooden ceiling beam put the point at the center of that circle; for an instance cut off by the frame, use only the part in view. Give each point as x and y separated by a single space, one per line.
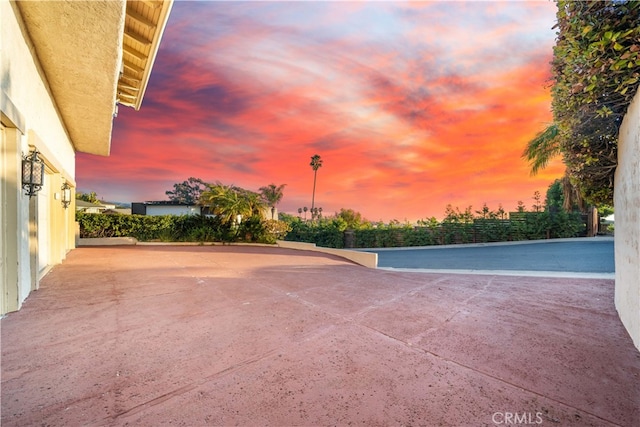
135 53
126 104
127 87
140 19
152 4
132 66
126 95
130 78
137 37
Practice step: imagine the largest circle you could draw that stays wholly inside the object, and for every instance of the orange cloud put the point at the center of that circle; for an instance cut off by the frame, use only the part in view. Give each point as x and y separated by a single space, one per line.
412 106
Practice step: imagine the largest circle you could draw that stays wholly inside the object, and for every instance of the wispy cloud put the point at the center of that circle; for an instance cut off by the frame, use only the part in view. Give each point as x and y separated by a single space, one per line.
411 105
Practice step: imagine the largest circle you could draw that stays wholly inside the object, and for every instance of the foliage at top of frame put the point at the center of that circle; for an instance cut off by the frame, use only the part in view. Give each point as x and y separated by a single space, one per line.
596 68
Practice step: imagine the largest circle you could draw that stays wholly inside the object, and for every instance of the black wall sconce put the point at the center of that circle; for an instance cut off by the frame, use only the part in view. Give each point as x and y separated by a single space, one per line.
32 173
66 195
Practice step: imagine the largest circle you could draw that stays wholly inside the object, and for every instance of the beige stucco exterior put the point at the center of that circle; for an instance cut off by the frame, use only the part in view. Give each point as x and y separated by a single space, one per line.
60 64
82 71
29 120
627 206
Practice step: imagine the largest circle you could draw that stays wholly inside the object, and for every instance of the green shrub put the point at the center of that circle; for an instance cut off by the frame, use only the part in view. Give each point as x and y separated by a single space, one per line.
564 224
251 230
323 232
275 230
174 228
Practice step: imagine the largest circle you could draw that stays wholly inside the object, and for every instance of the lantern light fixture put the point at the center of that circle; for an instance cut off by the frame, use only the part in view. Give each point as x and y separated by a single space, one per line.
66 195
32 173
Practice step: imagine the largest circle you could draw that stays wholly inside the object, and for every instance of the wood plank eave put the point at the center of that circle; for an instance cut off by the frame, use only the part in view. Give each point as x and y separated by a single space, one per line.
137 37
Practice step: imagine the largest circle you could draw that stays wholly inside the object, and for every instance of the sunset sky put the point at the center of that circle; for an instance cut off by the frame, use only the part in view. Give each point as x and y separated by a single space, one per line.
411 105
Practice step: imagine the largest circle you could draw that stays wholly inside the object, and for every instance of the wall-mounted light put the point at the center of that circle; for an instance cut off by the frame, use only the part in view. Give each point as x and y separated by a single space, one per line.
32 173
66 195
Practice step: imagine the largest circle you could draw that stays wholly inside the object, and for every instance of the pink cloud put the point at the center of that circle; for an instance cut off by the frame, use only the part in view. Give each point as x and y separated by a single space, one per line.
407 118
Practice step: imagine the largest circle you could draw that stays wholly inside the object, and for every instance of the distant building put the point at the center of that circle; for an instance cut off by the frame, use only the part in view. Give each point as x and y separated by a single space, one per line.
88 207
165 208
102 207
117 211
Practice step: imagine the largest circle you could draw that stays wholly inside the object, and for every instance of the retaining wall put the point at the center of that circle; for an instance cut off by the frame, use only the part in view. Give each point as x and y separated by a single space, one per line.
366 259
627 223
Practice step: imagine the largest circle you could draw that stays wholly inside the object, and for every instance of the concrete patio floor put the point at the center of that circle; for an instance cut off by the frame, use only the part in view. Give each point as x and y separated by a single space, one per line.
240 335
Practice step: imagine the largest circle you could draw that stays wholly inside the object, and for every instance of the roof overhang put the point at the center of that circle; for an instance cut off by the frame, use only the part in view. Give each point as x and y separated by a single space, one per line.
144 25
95 54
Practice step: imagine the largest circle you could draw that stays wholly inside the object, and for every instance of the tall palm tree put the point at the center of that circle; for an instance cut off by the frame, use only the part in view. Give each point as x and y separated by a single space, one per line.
316 163
272 194
540 151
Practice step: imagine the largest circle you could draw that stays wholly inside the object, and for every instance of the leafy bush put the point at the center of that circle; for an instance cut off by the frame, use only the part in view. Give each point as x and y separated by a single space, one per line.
251 230
596 72
565 224
275 230
457 227
174 228
379 237
323 232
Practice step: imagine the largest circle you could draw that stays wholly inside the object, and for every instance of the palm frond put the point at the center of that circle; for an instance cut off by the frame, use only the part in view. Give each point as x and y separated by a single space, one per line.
542 149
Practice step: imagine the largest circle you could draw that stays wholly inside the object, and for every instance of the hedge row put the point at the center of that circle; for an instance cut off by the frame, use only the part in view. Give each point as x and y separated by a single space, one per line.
325 233
330 233
524 226
174 228
531 226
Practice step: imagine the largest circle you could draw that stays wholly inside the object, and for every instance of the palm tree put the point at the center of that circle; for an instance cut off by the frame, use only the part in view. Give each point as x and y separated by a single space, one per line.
230 203
316 163
272 194
540 151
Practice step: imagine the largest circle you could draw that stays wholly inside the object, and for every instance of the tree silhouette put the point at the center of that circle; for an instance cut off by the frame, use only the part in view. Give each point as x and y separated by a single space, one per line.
187 192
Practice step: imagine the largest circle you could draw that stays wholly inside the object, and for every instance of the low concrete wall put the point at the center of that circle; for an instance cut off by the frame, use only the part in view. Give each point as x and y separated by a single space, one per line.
363 258
627 234
107 241
366 259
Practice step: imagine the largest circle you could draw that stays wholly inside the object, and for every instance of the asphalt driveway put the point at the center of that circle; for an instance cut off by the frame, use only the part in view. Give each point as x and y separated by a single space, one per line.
231 335
580 255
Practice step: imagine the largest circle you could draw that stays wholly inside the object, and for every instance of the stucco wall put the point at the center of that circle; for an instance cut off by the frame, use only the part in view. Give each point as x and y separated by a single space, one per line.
627 225
23 82
31 119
